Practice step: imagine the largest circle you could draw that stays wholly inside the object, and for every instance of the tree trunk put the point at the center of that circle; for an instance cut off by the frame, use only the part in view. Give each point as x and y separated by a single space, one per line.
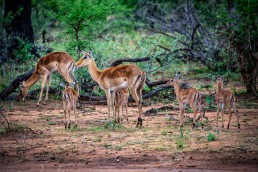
19 25
248 63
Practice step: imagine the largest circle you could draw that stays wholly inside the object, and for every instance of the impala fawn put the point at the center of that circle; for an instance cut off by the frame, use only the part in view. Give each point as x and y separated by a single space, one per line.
225 97
69 98
185 96
121 102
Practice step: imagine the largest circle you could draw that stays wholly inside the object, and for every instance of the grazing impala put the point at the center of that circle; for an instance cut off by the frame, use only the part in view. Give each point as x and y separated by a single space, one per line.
225 97
116 78
121 102
185 96
56 61
69 98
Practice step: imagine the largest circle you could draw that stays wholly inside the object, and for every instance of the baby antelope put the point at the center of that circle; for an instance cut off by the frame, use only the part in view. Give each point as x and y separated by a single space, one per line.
225 97
69 98
186 96
121 102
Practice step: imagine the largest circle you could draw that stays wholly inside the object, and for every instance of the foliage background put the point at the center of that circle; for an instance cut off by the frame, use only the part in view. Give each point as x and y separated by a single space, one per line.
113 29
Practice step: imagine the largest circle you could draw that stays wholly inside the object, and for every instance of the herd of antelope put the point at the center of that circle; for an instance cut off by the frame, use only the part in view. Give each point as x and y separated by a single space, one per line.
117 82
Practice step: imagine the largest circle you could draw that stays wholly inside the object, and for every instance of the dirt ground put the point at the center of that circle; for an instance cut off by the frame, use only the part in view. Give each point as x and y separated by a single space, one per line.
42 144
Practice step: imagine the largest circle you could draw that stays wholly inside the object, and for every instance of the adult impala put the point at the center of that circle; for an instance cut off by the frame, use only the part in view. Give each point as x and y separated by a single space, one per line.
116 78
225 97
185 96
61 62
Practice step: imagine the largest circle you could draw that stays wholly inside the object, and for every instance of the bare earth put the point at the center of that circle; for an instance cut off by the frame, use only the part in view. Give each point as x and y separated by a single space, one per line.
42 143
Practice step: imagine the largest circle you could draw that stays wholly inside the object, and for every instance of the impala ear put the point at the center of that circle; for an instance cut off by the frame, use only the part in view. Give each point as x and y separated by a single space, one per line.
222 77
90 52
22 84
177 75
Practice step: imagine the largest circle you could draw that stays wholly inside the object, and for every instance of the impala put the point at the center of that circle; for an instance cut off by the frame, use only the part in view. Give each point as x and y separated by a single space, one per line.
185 96
225 97
116 78
121 102
56 61
69 98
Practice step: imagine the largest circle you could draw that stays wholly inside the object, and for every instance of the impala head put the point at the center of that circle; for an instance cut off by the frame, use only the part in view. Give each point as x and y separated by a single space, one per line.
85 60
220 79
23 91
174 80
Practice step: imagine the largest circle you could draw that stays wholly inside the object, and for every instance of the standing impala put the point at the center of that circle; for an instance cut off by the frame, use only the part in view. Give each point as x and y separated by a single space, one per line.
116 78
225 97
56 61
69 99
185 96
121 101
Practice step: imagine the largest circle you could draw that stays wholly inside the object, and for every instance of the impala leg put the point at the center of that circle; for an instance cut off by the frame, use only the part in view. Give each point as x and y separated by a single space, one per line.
222 113
112 95
120 106
69 120
74 112
230 115
125 106
108 102
218 109
137 100
181 114
44 78
235 110
75 80
66 76
77 86
194 114
201 113
47 90
64 106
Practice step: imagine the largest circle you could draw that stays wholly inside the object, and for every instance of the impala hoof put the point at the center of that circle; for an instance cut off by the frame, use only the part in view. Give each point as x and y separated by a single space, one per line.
139 123
194 125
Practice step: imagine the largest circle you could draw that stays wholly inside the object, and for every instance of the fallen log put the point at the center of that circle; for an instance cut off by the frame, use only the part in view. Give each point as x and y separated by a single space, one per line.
155 83
120 61
152 111
15 84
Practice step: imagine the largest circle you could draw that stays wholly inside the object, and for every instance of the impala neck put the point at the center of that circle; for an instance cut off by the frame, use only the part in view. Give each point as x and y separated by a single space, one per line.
177 88
219 87
32 80
94 71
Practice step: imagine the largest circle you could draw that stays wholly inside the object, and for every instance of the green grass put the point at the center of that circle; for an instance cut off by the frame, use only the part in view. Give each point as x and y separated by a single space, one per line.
163 133
180 144
211 137
96 129
51 123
